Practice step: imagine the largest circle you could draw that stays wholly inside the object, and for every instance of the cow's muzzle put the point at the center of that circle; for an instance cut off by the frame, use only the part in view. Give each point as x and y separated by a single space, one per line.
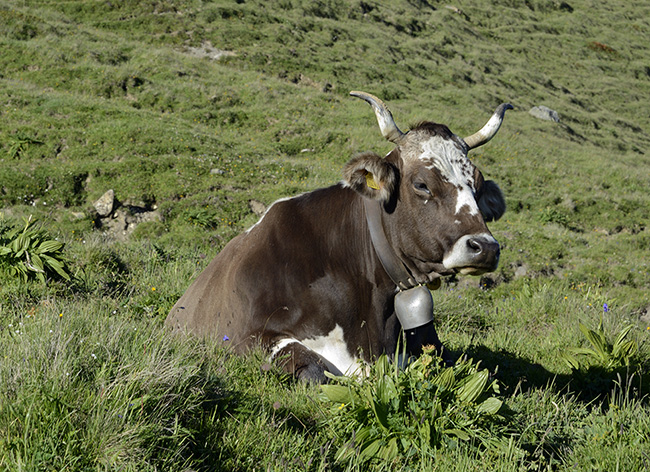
473 254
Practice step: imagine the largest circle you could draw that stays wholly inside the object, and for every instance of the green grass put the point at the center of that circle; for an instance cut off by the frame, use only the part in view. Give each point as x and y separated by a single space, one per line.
116 95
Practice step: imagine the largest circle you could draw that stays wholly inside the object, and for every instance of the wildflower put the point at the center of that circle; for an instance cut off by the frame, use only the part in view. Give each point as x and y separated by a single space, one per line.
93 356
60 315
226 338
605 307
153 289
342 406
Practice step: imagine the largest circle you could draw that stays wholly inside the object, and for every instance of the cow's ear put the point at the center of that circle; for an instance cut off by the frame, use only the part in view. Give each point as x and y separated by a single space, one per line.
491 201
371 176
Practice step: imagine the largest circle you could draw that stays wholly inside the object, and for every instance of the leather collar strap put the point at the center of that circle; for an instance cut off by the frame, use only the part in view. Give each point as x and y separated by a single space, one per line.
392 265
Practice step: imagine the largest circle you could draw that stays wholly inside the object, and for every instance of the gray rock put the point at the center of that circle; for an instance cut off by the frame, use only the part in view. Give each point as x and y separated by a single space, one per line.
257 207
126 219
545 113
104 205
521 271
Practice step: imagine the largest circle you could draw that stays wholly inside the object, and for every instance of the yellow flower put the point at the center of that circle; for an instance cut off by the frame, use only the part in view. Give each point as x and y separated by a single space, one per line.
153 289
343 404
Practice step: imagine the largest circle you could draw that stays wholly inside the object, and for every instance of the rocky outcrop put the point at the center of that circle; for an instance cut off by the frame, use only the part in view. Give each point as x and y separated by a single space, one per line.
545 113
119 220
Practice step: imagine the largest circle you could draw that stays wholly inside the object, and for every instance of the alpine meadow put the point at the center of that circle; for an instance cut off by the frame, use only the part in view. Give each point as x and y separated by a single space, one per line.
138 137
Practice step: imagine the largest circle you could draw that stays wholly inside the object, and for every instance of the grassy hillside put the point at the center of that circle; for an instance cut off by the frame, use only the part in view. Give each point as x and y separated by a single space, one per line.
199 113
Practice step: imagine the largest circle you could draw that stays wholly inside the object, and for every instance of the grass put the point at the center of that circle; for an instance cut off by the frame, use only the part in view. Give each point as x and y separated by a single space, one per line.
121 95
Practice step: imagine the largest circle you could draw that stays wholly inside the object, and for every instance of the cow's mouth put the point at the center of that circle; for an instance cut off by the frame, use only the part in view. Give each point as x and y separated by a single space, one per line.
434 275
473 255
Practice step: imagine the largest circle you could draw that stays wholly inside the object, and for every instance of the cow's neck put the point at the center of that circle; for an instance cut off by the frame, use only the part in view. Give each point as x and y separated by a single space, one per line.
413 302
393 266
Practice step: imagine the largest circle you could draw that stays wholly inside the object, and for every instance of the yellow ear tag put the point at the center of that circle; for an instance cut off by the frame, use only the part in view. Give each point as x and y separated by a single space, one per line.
370 180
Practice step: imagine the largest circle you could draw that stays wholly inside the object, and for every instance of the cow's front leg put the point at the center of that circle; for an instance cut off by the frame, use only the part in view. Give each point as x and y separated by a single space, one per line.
297 359
426 335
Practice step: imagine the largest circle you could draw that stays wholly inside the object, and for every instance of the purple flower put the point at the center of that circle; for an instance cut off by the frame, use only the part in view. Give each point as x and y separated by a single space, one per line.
605 308
226 338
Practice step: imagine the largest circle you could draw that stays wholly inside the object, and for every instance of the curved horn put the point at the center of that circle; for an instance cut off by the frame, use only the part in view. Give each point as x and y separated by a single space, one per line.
490 129
384 117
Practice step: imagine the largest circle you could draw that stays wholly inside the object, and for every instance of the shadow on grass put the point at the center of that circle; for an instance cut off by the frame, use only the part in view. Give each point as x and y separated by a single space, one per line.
594 388
590 385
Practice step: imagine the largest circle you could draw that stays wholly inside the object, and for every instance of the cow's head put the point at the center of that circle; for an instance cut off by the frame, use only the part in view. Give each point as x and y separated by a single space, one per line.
436 201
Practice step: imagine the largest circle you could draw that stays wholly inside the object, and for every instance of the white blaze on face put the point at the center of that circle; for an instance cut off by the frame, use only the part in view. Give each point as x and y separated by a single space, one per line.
455 168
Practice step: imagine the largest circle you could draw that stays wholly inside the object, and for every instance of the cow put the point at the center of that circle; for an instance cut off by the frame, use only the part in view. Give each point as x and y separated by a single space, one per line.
330 279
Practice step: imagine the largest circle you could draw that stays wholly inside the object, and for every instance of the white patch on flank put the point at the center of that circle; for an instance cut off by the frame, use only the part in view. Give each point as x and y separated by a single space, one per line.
331 347
458 256
334 348
455 168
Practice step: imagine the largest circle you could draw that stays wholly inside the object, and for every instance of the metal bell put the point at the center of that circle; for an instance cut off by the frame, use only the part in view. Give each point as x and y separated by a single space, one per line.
414 307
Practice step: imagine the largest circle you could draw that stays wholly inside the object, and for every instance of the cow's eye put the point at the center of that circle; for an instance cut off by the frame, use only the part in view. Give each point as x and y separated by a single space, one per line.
422 188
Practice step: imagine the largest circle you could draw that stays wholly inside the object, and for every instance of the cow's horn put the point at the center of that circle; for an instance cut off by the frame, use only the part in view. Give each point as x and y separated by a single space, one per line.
490 129
385 118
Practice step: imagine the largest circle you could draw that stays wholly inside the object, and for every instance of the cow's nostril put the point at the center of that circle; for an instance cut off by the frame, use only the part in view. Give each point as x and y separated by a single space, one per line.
475 245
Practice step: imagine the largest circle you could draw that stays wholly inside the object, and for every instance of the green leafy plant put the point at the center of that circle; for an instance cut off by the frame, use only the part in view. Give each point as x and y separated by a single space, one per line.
608 355
410 412
201 217
18 145
30 252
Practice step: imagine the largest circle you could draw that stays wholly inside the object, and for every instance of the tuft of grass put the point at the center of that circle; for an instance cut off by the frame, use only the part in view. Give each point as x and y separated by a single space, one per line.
76 397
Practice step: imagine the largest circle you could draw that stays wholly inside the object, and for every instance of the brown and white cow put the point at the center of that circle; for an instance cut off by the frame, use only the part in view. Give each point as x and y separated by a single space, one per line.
316 281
